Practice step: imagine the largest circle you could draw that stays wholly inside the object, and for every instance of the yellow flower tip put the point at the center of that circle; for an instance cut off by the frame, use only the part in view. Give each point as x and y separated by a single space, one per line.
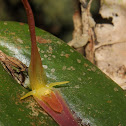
57 83
28 94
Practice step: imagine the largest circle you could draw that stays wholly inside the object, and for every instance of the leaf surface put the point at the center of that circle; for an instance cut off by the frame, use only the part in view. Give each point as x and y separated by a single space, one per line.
94 98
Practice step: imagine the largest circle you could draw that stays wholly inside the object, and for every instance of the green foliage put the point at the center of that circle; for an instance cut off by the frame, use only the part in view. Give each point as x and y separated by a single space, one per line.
13 111
94 97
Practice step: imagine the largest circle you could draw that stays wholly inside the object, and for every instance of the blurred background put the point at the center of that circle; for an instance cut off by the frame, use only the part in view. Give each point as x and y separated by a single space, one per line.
54 16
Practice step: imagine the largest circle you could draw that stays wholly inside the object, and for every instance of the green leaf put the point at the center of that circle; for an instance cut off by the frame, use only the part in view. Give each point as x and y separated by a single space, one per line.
13 111
95 98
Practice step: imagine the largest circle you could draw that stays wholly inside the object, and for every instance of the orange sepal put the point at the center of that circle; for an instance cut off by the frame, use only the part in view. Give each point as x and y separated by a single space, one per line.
53 102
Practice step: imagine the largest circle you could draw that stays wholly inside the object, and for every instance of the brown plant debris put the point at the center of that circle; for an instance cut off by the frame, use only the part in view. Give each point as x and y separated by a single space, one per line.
15 67
42 40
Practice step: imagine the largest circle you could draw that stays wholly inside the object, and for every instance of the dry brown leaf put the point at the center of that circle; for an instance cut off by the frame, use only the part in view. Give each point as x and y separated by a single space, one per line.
110 51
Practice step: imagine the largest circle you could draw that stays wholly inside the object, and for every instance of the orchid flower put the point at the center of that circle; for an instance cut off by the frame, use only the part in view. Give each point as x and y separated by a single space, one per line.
44 93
